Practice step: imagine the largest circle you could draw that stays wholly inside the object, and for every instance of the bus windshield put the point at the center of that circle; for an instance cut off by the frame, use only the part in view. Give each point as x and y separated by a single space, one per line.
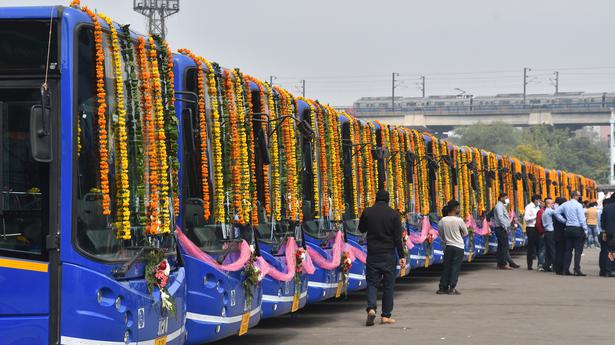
95 232
211 234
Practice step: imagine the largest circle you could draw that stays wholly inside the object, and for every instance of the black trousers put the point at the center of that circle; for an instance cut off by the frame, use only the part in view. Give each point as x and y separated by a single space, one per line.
575 239
560 250
381 267
503 247
549 249
453 258
605 264
532 244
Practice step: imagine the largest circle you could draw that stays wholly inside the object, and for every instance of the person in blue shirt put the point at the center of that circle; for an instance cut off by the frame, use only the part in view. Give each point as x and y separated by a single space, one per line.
572 214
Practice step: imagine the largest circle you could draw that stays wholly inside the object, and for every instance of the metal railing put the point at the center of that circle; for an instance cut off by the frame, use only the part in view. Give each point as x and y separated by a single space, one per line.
491 108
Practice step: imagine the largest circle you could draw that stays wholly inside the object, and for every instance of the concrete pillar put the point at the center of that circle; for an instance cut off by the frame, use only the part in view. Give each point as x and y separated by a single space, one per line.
540 118
415 120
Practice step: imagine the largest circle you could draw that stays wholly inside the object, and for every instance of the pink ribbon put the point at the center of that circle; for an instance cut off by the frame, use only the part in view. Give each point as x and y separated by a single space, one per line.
291 261
358 253
336 254
426 231
485 230
193 250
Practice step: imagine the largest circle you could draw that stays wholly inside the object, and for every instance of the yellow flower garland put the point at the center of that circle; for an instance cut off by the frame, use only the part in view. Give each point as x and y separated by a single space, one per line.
121 171
165 216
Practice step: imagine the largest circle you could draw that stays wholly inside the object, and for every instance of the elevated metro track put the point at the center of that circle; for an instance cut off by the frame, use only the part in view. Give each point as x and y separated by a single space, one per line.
442 120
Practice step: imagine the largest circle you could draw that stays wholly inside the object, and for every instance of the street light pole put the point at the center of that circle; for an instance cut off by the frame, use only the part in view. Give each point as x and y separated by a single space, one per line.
393 90
525 70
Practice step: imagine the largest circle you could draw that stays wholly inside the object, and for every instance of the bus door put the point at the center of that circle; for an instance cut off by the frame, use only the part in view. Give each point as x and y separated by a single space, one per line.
24 221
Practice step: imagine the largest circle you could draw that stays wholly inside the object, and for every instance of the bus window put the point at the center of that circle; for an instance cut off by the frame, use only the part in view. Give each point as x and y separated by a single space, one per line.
24 206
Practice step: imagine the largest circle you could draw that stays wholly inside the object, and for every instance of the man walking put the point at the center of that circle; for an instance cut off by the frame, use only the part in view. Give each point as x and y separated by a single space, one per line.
502 223
549 239
531 211
572 214
452 229
384 246
607 223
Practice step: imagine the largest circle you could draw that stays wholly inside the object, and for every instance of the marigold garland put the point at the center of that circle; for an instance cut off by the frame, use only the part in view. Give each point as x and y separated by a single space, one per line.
251 151
160 135
275 158
151 155
101 94
242 137
121 169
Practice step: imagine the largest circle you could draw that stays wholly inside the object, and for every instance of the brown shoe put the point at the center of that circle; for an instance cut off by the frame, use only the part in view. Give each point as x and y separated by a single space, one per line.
371 316
505 267
387 321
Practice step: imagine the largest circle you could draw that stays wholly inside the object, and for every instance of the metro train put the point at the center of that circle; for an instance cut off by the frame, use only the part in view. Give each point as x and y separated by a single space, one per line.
152 197
500 102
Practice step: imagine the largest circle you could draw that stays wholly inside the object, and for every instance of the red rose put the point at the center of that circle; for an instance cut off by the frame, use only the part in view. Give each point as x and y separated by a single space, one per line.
163 265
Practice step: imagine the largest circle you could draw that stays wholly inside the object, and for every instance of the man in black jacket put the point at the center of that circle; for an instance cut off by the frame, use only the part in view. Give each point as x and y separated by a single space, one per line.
384 247
606 238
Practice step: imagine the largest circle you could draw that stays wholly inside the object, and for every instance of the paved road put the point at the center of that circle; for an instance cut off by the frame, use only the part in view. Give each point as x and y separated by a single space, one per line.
496 307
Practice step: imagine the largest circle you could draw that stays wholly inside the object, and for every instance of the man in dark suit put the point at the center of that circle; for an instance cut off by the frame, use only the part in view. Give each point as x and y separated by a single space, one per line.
560 241
607 224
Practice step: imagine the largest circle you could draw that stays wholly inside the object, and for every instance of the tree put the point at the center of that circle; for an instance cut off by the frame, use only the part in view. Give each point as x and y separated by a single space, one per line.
530 153
555 148
497 137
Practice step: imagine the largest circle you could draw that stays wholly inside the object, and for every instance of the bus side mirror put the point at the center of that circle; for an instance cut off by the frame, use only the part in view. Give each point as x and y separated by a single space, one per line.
40 134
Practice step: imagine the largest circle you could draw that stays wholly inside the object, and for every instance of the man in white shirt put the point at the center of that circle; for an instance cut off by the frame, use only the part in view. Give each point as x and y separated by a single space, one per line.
452 230
531 210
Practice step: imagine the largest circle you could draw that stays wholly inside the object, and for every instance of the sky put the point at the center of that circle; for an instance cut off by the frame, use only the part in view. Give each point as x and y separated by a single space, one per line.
347 49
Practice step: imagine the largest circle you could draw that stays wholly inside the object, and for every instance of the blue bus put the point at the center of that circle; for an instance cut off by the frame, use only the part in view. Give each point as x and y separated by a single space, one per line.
278 240
221 303
71 272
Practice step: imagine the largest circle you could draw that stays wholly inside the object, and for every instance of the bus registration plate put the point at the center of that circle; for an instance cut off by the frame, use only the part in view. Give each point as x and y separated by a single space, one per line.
245 323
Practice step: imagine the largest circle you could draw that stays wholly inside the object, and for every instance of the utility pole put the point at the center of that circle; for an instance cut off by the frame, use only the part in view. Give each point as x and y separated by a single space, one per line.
394 74
156 12
422 86
556 74
525 70
612 148
303 88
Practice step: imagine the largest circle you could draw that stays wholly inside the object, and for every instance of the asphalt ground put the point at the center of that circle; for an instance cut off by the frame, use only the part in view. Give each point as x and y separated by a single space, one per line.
496 307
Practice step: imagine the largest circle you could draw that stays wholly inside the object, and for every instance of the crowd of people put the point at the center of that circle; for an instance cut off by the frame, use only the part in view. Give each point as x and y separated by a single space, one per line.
557 232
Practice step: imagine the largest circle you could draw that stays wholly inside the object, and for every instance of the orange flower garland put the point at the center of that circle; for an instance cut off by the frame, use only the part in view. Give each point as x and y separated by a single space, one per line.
266 182
249 122
151 171
101 95
171 105
289 142
235 150
203 137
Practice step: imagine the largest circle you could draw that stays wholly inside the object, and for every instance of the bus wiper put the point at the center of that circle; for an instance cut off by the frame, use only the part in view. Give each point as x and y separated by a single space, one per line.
120 272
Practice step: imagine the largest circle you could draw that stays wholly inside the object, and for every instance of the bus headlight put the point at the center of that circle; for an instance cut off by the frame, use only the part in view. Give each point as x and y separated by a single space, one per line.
127 337
118 303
